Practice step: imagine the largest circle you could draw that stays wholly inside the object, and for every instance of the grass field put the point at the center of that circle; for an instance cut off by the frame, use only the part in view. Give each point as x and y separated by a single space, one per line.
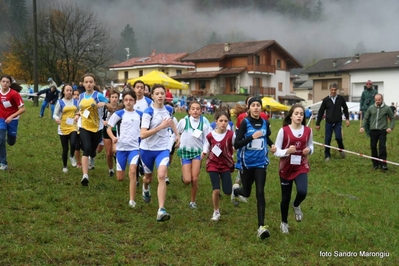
47 217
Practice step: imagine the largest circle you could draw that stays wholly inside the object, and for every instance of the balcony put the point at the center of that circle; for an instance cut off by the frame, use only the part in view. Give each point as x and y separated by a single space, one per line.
261 68
262 91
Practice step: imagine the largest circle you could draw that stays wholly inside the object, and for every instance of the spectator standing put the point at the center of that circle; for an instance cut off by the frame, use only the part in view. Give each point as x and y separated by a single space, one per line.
393 108
366 100
169 96
333 105
377 117
51 98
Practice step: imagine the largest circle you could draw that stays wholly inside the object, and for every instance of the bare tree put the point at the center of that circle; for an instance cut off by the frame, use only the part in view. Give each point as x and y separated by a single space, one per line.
73 42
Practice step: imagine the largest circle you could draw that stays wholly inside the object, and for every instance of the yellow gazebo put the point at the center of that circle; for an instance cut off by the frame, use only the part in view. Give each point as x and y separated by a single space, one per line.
157 77
271 105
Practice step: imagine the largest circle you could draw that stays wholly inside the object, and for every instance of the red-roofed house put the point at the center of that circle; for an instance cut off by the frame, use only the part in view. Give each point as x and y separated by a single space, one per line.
256 68
170 64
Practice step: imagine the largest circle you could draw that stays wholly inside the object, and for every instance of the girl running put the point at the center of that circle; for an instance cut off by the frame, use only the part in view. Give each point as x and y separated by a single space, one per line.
126 140
108 143
154 146
90 123
11 107
293 145
64 114
220 164
252 138
193 132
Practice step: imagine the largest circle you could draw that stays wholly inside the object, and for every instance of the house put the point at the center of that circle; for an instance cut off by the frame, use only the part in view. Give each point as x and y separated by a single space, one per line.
303 88
170 64
351 74
254 68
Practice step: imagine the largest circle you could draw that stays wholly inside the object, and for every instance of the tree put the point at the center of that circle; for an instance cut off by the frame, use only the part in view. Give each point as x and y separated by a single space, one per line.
213 38
318 11
128 40
71 40
18 16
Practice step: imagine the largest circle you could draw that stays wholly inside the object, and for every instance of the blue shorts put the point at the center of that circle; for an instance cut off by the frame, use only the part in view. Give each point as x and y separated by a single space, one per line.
11 128
123 157
148 158
188 161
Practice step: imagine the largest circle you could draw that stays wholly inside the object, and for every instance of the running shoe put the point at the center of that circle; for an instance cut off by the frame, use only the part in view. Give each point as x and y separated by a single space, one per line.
132 203
284 228
73 161
193 205
215 216
162 215
234 199
111 172
85 180
146 194
91 163
263 232
298 213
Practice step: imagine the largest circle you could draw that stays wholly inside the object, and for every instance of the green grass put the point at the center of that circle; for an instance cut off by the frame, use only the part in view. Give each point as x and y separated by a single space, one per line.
48 218
231 97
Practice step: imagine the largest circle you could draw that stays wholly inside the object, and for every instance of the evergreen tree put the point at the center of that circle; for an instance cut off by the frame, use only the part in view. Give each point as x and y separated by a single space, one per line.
213 38
18 16
318 11
128 40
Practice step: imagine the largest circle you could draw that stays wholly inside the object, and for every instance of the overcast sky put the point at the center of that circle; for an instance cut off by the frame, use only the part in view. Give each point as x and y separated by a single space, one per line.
180 28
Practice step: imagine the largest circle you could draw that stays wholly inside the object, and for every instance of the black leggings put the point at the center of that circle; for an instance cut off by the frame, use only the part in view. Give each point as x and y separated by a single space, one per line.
65 140
248 176
301 182
89 141
226 181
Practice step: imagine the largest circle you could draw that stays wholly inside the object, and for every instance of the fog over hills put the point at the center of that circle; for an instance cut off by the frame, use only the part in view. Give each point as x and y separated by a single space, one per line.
169 26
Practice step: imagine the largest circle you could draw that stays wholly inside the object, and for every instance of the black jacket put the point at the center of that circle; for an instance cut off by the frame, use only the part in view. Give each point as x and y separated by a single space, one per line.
333 111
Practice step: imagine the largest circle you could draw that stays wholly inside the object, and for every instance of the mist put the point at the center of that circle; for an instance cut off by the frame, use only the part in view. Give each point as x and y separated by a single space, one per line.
348 27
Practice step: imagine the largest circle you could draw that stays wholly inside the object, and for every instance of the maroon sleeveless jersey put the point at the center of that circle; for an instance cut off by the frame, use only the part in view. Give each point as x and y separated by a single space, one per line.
289 171
225 161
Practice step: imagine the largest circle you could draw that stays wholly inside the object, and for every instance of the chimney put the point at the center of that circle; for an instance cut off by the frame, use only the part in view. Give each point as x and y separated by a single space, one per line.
227 47
334 63
153 52
357 58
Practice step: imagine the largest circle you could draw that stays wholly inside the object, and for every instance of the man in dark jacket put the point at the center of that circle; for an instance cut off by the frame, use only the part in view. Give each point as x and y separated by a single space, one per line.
51 98
367 100
333 105
381 121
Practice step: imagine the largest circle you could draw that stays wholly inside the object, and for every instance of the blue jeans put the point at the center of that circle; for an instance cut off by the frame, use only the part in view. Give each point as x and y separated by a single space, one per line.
337 129
44 104
9 131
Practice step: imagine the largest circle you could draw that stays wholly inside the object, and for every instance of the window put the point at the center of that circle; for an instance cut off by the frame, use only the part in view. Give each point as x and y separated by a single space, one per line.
126 75
140 73
278 64
310 96
322 74
178 72
257 59
338 74
280 86
324 85
202 84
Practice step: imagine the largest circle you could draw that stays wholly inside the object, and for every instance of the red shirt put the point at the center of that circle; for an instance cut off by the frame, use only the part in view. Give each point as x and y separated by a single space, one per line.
169 96
224 162
290 171
245 114
10 103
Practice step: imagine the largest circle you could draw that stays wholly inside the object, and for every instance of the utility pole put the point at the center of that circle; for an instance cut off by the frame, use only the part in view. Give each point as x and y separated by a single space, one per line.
35 62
